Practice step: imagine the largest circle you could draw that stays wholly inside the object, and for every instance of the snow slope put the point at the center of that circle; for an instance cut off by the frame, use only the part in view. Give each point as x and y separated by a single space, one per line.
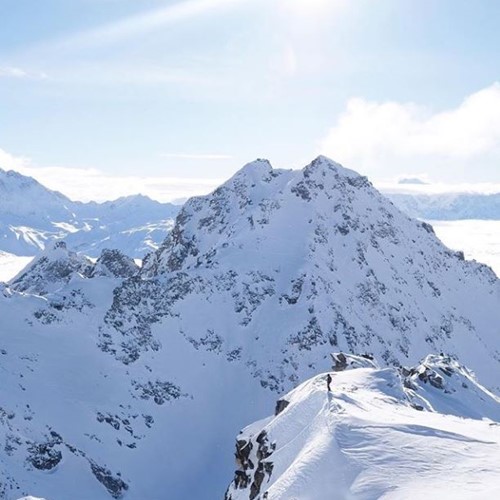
32 216
369 439
11 264
133 382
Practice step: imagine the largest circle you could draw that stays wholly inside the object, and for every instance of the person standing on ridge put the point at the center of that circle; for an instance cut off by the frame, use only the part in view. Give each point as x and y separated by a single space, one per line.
328 382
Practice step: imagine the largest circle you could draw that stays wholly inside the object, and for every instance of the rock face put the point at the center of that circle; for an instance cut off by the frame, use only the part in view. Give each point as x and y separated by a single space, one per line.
115 264
355 441
248 295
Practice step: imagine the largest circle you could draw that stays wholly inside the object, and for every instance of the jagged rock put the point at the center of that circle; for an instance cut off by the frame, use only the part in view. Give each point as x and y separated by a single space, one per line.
51 270
343 361
45 455
281 404
115 485
114 263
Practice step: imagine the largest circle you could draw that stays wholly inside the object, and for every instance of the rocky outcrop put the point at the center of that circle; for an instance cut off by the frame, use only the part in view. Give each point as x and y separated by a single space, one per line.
115 485
114 264
50 271
254 464
343 361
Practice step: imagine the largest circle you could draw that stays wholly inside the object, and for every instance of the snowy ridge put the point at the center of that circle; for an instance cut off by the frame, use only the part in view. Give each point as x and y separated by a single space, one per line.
366 439
33 217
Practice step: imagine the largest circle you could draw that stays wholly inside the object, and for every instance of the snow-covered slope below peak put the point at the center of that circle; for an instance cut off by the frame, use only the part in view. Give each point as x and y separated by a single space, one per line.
11 265
365 439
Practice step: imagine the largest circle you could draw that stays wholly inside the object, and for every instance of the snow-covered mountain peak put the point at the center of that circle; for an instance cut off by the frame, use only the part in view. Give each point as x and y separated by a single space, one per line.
255 170
51 270
321 165
24 197
334 263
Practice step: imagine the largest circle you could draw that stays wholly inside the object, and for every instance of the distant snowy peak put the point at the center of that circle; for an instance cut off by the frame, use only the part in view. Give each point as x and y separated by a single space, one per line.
412 181
32 217
22 196
358 433
451 206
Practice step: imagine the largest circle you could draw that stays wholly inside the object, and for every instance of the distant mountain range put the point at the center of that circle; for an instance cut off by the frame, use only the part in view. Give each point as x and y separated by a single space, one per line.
448 206
32 217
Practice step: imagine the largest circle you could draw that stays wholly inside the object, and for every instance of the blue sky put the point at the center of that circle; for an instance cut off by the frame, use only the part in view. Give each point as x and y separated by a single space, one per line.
187 91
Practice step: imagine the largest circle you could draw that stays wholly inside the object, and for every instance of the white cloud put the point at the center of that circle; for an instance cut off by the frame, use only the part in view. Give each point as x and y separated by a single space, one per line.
390 138
11 162
91 184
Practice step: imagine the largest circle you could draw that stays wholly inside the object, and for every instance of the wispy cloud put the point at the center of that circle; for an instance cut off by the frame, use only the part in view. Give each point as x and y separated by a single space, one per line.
141 24
15 72
193 156
389 137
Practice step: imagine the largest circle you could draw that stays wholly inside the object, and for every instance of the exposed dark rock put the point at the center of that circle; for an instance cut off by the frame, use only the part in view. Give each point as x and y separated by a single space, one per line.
281 404
44 456
116 264
160 391
114 484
